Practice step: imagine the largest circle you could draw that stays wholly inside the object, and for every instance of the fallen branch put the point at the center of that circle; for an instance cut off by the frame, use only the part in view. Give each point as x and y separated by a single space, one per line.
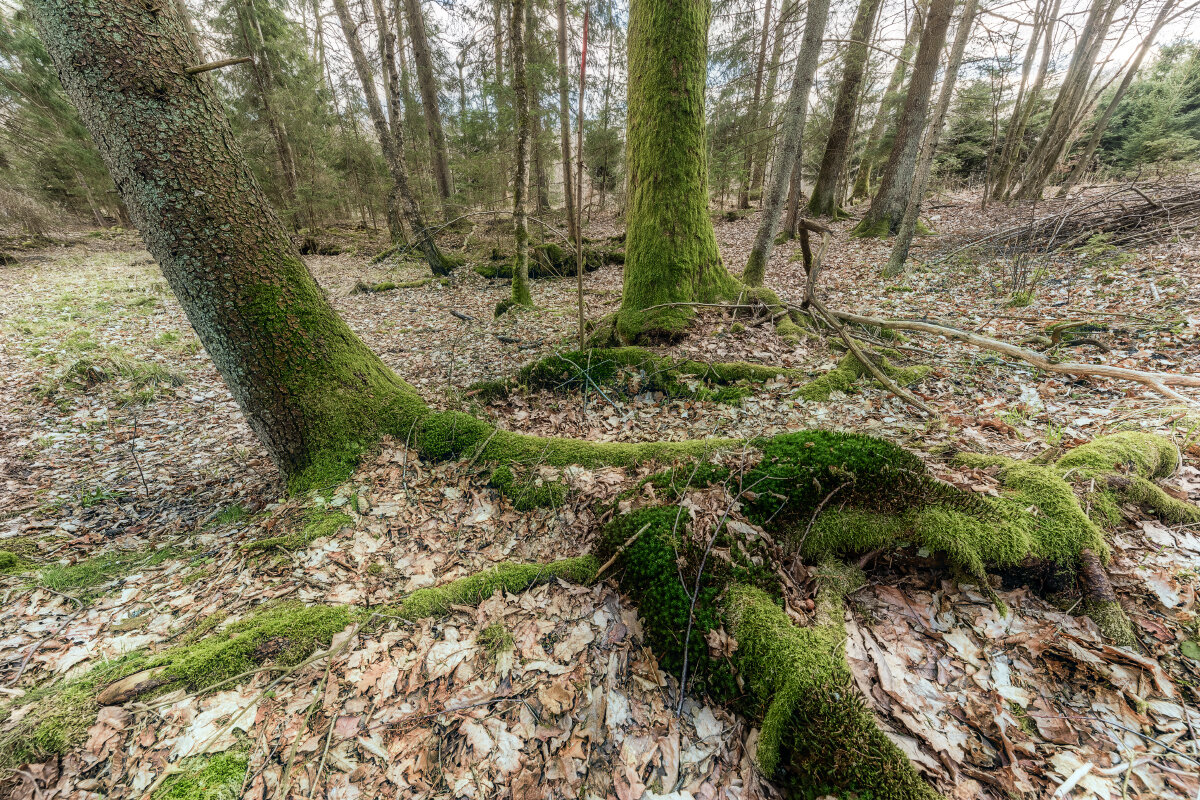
228 62
1158 381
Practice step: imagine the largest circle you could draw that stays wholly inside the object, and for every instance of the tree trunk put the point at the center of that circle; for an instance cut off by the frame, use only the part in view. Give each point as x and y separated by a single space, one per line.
391 141
793 119
1101 125
1042 22
564 122
263 85
520 279
786 15
427 83
883 115
671 251
754 116
1044 157
541 182
908 224
825 200
314 394
890 200
604 115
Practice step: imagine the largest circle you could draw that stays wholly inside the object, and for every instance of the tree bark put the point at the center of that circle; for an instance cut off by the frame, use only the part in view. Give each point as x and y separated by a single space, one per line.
314 394
391 141
1044 157
533 52
1101 125
427 83
883 115
671 251
1043 24
908 224
890 200
520 279
754 117
263 86
564 122
793 119
825 200
786 15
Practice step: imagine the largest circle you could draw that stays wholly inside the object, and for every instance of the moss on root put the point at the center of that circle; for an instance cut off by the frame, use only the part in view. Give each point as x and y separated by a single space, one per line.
632 370
528 492
512 578
318 522
844 377
205 777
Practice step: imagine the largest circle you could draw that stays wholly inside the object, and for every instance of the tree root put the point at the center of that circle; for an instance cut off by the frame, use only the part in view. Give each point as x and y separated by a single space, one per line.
1158 381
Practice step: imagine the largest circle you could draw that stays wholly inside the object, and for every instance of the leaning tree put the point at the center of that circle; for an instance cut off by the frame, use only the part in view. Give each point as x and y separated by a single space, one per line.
317 397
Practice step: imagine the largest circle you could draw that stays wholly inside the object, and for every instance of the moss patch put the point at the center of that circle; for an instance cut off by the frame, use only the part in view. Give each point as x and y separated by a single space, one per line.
512 578
92 573
217 777
528 492
844 377
318 522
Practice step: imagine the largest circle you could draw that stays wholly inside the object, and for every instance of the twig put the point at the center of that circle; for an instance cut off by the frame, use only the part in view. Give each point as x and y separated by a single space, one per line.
133 452
37 645
1158 381
868 364
620 550
227 62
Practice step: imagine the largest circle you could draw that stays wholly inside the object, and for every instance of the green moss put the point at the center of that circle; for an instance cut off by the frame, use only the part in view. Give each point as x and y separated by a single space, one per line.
512 578
1151 497
528 492
496 639
231 515
362 287
1144 454
844 377
872 229
1112 621
318 522
817 732
104 568
285 633
216 777
55 717
11 563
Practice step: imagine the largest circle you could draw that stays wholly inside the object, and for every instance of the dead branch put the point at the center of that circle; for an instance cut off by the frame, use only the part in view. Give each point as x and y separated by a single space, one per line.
1158 381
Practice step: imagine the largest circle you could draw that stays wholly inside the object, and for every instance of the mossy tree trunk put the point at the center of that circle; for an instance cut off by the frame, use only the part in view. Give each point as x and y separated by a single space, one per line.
891 198
794 117
310 389
391 141
520 278
787 16
825 200
671 251
754 116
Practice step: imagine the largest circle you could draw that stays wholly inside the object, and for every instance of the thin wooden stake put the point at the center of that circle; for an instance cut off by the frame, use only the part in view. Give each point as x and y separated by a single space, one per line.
579 178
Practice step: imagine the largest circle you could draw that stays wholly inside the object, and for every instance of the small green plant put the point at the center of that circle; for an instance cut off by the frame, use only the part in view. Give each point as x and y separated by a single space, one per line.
496 639
100 495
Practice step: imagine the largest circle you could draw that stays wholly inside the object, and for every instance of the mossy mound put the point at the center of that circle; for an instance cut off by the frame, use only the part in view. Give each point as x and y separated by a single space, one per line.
550 260
633 370
844 377
815 731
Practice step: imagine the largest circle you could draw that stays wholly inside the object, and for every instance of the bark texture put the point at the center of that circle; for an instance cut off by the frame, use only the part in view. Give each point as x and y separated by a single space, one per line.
887 104
908 224
391 141
312 391
564 122
671 251
825 200
891 198
520 278
793 120
427 83
754 117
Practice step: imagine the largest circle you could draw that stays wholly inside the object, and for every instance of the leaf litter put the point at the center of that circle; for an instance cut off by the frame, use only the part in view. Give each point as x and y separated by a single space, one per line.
172 480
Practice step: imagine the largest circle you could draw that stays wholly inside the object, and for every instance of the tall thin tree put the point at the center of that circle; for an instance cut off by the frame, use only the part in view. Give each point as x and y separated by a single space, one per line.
427 83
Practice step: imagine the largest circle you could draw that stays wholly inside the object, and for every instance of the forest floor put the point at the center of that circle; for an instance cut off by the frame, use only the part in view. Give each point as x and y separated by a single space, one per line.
129 484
